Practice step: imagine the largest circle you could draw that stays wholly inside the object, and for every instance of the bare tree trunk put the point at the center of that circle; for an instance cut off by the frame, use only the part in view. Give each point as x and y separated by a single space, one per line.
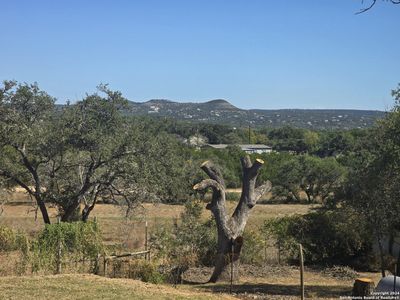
231 228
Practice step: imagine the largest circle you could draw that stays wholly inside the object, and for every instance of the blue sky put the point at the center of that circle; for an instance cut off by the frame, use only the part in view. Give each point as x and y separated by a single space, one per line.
254 53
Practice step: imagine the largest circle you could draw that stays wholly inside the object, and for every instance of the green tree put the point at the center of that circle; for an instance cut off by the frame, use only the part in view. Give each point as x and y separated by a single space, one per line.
288 139
83 152
294 176
26 125
320 178
373 183
335 143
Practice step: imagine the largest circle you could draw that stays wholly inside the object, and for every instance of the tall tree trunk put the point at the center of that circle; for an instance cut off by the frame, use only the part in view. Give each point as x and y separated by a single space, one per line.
43 209
230 229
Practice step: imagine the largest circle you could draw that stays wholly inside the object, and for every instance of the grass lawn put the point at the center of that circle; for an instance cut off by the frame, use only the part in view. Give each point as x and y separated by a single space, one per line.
79 286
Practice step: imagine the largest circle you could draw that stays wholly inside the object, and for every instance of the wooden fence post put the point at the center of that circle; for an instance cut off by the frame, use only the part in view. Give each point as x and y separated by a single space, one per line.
265 250
105 265
59 247
301 272
279 252
147 256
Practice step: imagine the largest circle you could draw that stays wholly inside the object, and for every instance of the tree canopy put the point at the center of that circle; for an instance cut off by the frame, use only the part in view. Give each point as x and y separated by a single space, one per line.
74 155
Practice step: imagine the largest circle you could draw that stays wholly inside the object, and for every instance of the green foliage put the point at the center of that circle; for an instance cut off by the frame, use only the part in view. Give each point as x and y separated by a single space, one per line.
277 229
89 150
303 177
232 196
288 139
228 161
138 269
328 237
78 241
253 247
145 271
334 143
190 242
11 240
372 186
7 239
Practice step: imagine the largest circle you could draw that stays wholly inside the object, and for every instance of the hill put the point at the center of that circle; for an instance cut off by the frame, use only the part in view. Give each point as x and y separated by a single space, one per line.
222 112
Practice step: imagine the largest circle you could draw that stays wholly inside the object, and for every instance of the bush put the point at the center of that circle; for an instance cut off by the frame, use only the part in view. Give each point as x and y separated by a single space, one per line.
253 247
11 240
145 271
7 239
78 241
328 237
138 269
191 242
278 230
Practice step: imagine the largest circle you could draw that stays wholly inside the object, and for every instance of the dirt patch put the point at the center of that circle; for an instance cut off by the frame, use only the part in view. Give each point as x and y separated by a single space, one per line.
278 282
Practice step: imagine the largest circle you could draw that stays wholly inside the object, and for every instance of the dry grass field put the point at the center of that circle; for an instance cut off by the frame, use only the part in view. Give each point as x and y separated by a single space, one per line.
20 214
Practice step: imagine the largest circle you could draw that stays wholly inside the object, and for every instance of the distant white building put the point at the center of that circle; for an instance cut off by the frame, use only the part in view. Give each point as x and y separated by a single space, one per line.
249 148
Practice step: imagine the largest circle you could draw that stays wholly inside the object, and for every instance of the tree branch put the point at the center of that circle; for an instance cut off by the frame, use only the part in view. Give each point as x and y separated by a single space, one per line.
261 190
363 10
18 181
367 8
213 172
209 183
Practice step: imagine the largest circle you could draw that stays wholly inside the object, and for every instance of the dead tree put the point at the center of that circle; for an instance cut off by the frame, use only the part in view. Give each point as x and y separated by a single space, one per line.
230 229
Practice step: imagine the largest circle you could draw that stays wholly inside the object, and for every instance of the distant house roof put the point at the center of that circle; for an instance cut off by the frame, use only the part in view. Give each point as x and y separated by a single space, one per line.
255 146
243 147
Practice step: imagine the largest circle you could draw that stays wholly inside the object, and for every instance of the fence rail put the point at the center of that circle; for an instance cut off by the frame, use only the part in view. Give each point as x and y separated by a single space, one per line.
106 259
112 256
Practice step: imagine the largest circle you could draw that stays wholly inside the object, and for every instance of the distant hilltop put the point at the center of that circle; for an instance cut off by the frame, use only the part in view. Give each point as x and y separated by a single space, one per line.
222 112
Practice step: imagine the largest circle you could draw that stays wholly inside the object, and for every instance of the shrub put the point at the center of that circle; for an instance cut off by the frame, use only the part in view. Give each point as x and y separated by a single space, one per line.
253 247
328 237
78 241
278 230
11 240
7 239
190 242
145 271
